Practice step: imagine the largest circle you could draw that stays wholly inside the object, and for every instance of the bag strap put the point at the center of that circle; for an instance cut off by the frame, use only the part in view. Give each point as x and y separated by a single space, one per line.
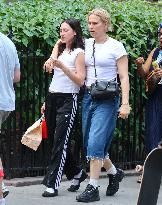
94 63
94 60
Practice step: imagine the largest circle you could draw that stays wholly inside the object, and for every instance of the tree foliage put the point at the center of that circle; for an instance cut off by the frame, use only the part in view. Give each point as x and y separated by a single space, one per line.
41 19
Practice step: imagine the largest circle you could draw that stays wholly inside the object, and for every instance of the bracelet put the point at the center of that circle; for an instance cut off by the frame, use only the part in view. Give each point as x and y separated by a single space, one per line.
125 103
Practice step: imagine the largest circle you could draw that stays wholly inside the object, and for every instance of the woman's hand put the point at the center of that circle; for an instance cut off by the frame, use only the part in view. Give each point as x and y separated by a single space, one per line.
59 42
140 67
124 111
43 108
49 65
58 64
139 61
158 73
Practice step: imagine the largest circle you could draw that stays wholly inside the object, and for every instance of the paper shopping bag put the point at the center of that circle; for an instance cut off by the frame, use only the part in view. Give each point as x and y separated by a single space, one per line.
33 136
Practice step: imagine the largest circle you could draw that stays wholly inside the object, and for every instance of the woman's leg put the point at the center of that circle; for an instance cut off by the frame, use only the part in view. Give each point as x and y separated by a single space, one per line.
107 164
73 170
97 132
95 169
115 176
66 111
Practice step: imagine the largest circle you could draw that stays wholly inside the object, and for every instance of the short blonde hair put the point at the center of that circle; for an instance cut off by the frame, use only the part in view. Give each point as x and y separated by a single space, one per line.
104 16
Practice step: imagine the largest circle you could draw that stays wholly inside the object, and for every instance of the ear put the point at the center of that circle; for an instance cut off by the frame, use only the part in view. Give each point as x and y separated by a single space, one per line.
74 33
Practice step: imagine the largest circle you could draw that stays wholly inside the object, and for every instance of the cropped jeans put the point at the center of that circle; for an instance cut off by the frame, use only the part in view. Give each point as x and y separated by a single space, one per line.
98 124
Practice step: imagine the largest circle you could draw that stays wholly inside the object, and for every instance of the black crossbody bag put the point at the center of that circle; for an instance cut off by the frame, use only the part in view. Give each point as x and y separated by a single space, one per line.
104 89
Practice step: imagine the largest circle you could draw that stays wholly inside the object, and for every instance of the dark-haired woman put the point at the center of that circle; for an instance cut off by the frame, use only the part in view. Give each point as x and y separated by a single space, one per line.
153 116
154 102
67 60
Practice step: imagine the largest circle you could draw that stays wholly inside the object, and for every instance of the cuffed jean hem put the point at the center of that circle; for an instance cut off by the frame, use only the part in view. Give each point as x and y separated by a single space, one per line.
97 158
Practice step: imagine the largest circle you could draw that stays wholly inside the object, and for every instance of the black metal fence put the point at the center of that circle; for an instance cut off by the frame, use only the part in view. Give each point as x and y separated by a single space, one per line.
19 161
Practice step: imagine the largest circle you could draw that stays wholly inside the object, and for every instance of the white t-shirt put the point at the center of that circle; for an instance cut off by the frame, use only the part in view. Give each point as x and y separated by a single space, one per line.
106 55
9 62
60 81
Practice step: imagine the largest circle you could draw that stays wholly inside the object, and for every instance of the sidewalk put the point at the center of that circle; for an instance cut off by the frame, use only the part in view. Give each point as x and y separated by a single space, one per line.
31 195
26 181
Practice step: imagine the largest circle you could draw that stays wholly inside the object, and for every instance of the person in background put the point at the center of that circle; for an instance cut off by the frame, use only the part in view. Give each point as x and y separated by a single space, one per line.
153 109
10 74
67 62
108 56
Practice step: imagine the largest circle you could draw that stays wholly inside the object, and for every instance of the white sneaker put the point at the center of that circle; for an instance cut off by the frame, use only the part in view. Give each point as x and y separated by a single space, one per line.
2 202
4 190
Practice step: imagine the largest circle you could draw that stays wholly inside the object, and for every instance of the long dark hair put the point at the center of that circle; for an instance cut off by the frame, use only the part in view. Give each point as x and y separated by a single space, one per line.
78 41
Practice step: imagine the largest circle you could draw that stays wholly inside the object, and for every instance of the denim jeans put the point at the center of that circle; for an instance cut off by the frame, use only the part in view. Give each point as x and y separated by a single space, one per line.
98 124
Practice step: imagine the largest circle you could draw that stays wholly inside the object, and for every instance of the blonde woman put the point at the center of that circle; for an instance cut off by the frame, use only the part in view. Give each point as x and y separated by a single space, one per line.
108 57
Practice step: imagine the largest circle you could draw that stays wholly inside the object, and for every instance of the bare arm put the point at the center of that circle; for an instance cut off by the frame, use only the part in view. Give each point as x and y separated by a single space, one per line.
148 62
77 75
49 64
122 64
16 76
55 49
143 68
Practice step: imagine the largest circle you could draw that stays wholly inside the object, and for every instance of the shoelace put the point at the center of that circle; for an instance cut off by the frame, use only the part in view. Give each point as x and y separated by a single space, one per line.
112 179
89 188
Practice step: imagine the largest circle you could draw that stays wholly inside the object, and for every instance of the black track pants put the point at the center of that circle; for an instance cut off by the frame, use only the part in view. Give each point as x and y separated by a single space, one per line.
60 115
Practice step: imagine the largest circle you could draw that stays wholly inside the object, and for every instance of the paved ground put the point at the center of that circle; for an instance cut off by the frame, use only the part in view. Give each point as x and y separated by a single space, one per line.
31 195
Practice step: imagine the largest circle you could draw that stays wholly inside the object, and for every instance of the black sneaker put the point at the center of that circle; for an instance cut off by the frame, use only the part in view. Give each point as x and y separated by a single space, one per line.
89 195
5 191
114 182
48 194
74 188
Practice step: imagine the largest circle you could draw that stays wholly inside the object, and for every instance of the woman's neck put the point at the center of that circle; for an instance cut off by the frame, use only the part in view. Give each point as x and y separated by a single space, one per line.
101 39
68 46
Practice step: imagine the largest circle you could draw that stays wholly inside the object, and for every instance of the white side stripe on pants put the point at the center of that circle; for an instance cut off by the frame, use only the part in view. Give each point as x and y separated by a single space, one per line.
63 158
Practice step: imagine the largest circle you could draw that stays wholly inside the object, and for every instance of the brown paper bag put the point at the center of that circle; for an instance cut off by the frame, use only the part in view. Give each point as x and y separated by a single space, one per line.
33 136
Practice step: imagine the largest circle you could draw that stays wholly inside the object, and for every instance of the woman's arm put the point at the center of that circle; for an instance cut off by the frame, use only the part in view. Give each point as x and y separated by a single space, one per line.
143 68
54 54
77 75
122 64
49 64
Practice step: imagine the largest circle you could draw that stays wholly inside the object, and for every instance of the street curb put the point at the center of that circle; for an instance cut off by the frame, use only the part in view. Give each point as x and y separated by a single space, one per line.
27 181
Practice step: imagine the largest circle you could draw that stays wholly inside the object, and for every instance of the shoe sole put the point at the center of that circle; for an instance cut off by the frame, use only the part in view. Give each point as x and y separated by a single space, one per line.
80 200
5 193
80 181
121 177
47 194
73 190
